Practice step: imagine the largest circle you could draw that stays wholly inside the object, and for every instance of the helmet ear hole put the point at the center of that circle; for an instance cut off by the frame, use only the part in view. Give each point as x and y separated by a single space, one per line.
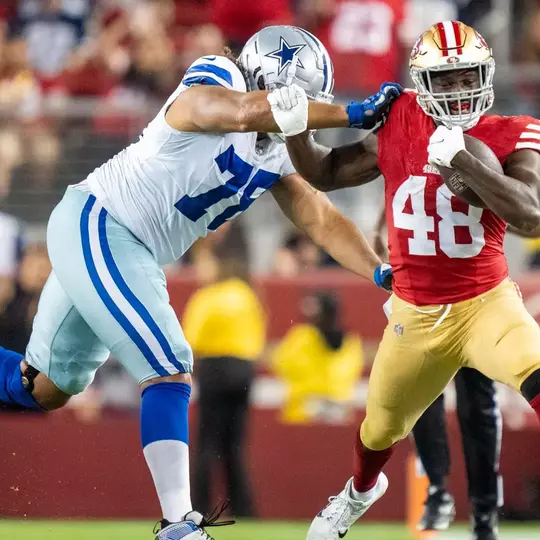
260 83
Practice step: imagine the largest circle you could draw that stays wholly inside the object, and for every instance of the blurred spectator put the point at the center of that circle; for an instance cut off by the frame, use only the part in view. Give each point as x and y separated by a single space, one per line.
299 254
16 319
54 32
10 254
370 40
225 325
320 363
529 51
240 19
201 41
363 39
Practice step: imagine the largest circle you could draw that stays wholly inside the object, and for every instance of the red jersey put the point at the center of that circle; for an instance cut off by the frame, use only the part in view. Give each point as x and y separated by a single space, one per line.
363 41
442 250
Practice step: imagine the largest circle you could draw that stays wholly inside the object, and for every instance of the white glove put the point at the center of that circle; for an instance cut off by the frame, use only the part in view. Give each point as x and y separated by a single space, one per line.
289 106
444 144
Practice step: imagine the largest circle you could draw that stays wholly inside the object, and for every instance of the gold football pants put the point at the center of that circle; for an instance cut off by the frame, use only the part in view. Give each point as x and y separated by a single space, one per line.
423 348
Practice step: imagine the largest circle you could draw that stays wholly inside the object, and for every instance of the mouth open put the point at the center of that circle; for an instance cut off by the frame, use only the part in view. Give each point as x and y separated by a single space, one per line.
457 108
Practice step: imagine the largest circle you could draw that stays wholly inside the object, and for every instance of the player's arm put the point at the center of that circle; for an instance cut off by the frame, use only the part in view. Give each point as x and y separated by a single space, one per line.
311 211
330 169
379 241
216 109
515 195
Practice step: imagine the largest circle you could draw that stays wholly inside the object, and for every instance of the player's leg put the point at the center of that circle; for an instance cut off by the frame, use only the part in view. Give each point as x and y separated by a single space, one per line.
136 322
237 477
61 358
504 342
481 430
408 374
431 439
211 426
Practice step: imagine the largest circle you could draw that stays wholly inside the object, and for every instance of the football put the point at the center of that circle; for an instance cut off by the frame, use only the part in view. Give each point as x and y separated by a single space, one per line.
454 180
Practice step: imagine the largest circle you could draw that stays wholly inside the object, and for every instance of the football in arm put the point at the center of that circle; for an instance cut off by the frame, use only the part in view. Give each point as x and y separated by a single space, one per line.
454 180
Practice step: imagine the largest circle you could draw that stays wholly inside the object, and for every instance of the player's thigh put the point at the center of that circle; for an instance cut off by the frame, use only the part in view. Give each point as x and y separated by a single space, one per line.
407 376
119 289
62 346
504 342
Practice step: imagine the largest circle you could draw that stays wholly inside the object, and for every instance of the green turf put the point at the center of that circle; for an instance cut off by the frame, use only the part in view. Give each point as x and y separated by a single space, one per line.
88 530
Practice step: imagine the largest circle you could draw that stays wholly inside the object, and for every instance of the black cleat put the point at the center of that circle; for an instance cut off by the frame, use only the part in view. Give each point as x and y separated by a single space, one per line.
485 525
439 511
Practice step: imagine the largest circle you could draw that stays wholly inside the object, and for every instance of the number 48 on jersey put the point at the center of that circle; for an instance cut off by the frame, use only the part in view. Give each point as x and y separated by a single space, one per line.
414 189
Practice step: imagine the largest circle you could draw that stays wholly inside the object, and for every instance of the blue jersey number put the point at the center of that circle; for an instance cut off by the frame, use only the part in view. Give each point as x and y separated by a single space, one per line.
195 208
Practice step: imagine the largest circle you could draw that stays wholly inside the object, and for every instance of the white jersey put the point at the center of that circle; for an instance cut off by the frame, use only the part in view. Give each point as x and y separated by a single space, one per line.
172 187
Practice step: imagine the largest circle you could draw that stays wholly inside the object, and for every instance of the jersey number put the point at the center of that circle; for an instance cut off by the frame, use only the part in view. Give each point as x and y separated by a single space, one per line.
421 224
241 183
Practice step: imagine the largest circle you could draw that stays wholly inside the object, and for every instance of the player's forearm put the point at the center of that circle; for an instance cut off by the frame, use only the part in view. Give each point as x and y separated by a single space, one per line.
510 199
311 160
255 114
342 240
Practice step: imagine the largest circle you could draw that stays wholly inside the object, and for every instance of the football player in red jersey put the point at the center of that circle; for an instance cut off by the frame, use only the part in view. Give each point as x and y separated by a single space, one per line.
453 304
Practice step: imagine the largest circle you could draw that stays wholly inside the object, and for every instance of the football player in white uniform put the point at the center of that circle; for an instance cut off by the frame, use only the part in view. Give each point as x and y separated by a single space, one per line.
203 160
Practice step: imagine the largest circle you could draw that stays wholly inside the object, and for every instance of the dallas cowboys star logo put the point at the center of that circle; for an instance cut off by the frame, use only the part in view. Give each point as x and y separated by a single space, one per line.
285 54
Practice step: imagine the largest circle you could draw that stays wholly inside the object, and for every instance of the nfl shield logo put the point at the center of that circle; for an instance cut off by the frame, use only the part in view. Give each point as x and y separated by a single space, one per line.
398 329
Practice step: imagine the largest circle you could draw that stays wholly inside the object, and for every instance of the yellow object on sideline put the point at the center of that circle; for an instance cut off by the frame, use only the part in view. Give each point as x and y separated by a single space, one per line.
225 319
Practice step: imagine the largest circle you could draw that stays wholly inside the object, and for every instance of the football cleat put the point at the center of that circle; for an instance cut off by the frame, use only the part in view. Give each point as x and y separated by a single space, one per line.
439 511
485 525
334 521
192 527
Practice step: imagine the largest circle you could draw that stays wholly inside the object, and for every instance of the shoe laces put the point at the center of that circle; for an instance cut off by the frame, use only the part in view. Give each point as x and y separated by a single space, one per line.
210 521
342 512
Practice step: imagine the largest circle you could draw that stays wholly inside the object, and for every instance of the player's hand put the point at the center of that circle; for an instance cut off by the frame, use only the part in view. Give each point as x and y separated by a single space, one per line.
383 277
444 144
289 105
372 112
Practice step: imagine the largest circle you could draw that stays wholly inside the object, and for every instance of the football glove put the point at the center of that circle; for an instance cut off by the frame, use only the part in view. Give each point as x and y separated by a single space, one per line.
383 277
444 144
372 112
289 105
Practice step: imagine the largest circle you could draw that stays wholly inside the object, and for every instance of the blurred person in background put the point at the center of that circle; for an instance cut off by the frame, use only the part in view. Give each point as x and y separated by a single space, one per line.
16 319
225 324
11 242
300 254
239 19
320 364
374 36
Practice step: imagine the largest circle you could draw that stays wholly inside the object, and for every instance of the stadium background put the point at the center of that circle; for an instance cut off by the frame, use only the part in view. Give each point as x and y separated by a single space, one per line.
79 79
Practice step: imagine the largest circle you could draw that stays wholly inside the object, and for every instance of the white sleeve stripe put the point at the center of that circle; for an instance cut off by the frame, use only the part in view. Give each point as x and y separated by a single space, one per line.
529 135
529 145
536 127
212 76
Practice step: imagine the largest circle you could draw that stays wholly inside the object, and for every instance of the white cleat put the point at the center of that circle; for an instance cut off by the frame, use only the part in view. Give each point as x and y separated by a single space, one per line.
191 528
334 521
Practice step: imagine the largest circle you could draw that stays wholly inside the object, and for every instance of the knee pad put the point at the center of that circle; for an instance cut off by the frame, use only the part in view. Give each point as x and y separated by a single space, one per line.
382 437
531 386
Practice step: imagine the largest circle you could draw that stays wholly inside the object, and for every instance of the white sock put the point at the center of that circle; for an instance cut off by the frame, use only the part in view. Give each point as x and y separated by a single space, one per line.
362 496
168 462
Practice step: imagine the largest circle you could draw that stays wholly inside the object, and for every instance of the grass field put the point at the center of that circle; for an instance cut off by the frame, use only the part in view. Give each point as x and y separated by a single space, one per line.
88 530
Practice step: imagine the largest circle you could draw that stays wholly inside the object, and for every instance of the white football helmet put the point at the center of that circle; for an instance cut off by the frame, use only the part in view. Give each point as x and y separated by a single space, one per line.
452 45
282 55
